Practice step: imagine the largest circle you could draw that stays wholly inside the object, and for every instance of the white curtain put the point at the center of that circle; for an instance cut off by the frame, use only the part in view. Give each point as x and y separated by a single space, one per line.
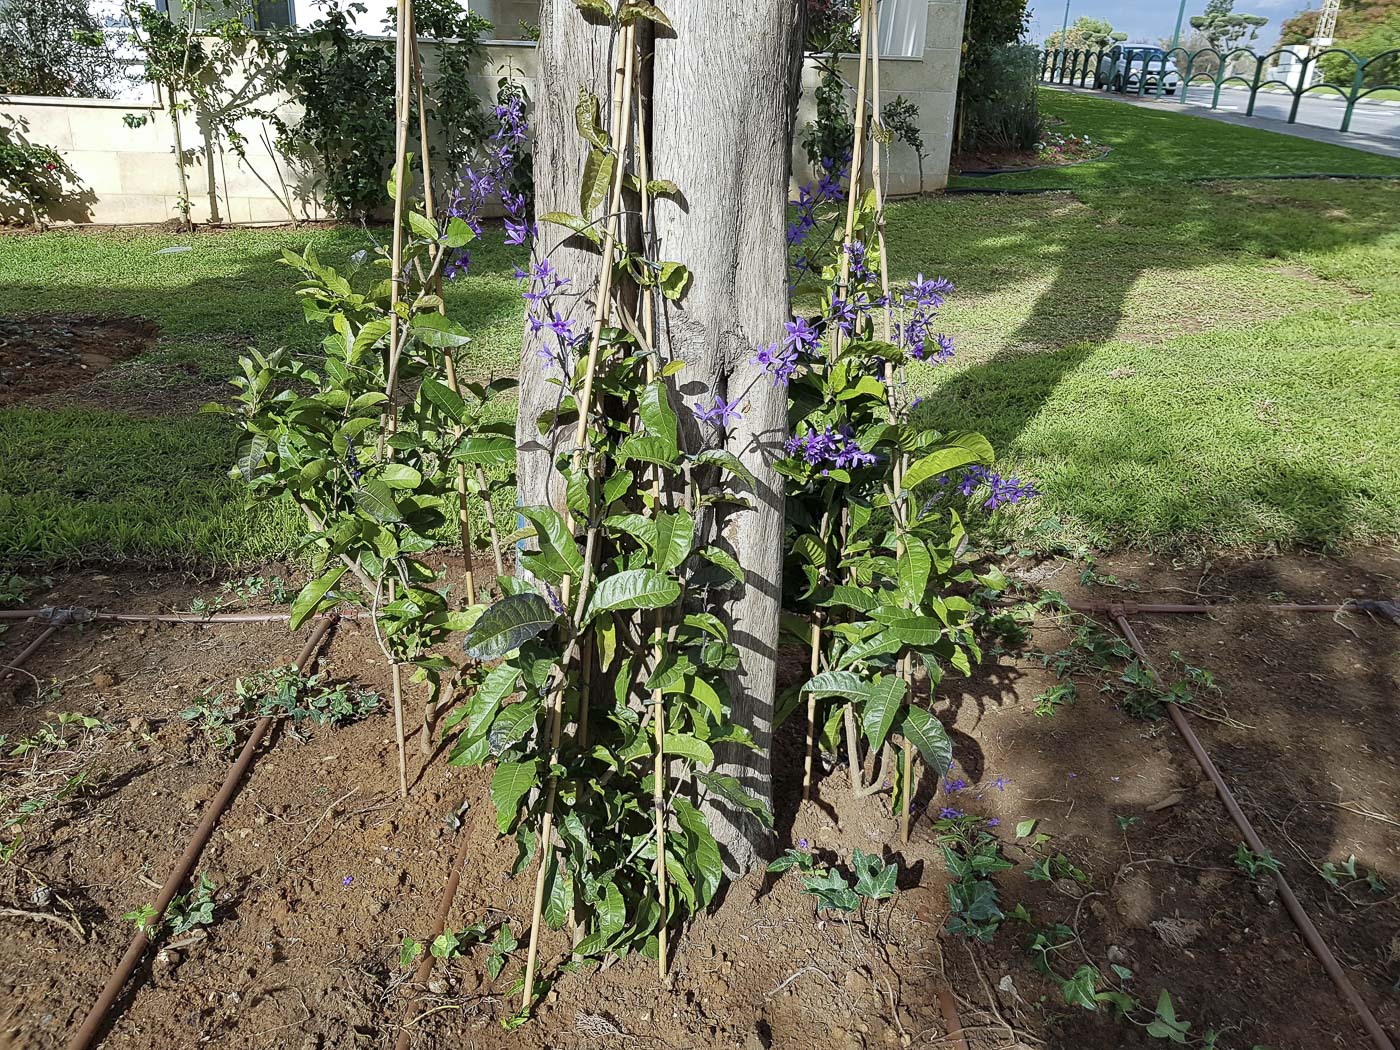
903 24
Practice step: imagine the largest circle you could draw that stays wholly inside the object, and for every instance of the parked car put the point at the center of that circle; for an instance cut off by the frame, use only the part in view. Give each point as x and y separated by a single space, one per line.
1122 68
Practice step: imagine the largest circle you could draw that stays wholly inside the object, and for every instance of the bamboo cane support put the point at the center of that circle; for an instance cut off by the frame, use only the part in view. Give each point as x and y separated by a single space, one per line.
402 57
857 163
580 438
812 709
430 707
658 700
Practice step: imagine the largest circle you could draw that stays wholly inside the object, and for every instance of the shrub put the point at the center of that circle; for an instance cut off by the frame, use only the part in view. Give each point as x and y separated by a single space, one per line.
54 47
33 178
1002 110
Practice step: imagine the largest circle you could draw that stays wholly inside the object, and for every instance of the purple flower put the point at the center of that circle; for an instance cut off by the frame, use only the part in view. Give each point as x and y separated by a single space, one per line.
347 880
949 813
721 414
994 822
802 843
801 337
1001 490
777 361
1000 783
518 232
952 786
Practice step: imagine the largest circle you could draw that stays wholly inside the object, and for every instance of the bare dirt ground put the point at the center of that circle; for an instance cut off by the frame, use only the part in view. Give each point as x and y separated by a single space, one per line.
322 870
44 353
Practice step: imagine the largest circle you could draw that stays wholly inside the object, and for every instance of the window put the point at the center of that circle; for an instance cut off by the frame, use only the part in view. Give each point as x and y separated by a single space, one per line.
903 25
266 14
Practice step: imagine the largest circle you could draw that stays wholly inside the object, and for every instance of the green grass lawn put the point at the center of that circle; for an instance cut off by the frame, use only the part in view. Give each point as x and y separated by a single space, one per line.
1165 145
1205 365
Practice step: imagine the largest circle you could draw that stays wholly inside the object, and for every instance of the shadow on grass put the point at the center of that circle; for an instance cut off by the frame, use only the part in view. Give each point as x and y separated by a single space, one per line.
112 473
1097 255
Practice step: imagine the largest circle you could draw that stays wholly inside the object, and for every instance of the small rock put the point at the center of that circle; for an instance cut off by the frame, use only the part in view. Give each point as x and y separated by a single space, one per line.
1172 799
41 896
437 986
1117 954
139 726
167 958
104 680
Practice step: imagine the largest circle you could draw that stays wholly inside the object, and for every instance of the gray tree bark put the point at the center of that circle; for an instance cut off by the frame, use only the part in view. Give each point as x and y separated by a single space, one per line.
722 100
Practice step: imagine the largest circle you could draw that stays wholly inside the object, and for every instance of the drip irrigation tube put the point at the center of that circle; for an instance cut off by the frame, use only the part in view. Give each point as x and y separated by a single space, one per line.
1300 917
425 966
87 1032
61 616
28 651
1389 608
948 1006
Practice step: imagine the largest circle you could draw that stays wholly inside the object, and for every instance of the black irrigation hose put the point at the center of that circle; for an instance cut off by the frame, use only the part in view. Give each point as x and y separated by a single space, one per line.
28 651
87 1032
1311 937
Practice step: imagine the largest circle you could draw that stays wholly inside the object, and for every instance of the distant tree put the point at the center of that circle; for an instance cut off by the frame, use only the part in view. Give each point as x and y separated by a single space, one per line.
55 47
1224 28
1087 34
988 98
1300 29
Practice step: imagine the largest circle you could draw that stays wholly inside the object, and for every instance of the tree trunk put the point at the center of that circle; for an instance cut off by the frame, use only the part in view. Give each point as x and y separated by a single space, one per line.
722 97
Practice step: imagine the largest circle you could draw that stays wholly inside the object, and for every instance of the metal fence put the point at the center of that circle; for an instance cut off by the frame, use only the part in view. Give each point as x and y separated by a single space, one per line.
1159 74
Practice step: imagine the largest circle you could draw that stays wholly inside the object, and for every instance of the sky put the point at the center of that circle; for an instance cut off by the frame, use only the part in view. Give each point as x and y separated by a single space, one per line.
1147 21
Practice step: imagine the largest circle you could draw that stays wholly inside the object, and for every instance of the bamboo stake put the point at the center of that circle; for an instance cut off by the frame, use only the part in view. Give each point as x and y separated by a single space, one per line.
491 522
857 164
580 438
906 797
658 699
430 707
401 54
812 709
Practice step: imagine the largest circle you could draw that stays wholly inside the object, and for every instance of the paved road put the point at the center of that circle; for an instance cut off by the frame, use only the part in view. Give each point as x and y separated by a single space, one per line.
1374 128
1318 110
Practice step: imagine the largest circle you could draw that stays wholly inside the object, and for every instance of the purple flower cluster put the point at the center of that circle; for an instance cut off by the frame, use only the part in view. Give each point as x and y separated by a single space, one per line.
1001 489
476 188
544 281
831 448
914 332
780 362
566 335
721 414
811 196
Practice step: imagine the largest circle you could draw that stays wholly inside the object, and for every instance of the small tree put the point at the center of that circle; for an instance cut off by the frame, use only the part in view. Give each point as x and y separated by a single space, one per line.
1086 34
55 47
1224 28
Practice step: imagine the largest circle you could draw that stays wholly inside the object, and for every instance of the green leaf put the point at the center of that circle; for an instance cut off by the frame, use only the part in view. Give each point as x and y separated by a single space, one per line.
369 335
702 849
882 704
444 398
577 223
675 534
377 500
409 950
459 234
586 117
439 332
1024 828
719 457
597 177
961 450
725 561
485 451
657 416
422 226
559 893
729 789
875 880
634 9
510 783
632 589
1165 1025
508 624
400 476
308 600
689 747
927 734
556 539
918 631
673 279
250 455
914 567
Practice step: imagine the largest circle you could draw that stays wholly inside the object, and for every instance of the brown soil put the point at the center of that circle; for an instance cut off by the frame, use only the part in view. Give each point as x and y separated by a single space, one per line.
322 869
41 354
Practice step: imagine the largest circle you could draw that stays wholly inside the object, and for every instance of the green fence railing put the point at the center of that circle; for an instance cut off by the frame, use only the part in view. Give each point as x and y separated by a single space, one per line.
1162 74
